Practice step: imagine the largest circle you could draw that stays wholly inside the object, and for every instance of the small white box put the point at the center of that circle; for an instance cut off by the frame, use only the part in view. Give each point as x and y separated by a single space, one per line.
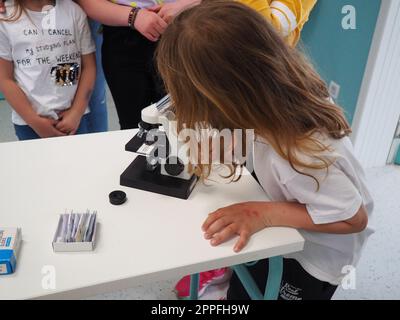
73 246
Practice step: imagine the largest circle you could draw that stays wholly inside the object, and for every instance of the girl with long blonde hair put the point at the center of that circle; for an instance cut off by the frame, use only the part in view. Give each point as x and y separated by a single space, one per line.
225 67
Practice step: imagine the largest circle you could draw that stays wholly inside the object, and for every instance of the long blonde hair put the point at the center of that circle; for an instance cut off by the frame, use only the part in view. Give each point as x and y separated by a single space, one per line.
225 66
19 9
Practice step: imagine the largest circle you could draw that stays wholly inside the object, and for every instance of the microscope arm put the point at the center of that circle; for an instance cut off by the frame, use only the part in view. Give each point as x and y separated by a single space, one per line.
178 145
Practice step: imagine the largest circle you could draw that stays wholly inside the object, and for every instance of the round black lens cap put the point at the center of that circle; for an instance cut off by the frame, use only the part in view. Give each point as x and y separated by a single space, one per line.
117 197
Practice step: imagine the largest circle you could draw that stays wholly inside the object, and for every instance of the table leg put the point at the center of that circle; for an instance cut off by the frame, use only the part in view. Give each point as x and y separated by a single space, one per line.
273 282
248 282
274 278
194 286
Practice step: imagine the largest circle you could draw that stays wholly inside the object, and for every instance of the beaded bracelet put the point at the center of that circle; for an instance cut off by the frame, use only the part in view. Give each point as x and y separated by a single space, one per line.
132 17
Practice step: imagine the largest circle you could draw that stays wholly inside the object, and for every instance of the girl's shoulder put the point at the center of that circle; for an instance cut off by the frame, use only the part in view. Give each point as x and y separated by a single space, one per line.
338 150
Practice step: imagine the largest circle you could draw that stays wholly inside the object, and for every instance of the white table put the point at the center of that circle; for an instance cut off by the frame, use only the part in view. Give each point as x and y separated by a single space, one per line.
151 237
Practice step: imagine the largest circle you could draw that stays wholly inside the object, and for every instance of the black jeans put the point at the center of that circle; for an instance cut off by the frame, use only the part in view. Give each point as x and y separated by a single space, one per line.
297 284
129 68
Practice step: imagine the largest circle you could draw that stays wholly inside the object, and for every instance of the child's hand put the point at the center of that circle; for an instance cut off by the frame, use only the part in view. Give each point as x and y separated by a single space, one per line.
169 11
45 127
69 121
149 24
243 219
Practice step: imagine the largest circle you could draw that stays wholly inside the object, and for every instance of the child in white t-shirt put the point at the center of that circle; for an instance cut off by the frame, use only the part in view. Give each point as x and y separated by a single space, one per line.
47 67
226 68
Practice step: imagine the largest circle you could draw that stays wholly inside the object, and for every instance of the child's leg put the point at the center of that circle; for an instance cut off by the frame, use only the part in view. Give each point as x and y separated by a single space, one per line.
297 284
98 119
25 133
129 69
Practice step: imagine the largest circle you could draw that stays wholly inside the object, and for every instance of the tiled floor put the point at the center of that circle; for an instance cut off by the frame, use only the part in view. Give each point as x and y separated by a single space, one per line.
377 275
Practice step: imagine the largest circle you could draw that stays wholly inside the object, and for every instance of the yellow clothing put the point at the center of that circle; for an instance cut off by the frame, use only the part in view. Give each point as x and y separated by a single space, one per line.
287 16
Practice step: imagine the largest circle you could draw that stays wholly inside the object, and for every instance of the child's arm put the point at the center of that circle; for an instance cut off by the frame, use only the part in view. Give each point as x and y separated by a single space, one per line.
287 16
19 102
148 23
245 219
71 118
106 12
169 11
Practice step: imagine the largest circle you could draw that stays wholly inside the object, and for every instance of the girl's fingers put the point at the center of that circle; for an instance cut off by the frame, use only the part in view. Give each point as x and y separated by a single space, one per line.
241 243
62 127
155 8
166 17
148 36
162 24
58 133
158 29
154 33
216 227
162 13
227 233
59 126
210 220
151 36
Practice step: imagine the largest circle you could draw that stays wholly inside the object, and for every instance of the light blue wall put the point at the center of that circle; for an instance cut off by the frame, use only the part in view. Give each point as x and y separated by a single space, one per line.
341 55
397 160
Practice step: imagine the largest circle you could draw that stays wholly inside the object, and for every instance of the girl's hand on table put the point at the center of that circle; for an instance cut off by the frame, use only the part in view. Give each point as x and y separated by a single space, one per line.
45 127
69 121
150 24
243 219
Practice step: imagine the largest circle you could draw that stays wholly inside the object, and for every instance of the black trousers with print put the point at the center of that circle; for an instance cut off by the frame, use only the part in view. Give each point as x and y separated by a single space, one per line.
297 284
129 68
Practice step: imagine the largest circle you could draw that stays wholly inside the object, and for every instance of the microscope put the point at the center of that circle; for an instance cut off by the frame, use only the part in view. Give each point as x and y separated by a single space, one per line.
162 162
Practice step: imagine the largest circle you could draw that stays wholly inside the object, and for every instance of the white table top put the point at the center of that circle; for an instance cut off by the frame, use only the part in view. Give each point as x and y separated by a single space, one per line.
151 237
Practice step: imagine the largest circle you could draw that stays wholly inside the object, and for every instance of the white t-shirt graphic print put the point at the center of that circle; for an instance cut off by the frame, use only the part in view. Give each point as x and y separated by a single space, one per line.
46 49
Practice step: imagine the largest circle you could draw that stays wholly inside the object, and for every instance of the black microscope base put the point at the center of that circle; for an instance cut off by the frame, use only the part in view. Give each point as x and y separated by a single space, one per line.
136 176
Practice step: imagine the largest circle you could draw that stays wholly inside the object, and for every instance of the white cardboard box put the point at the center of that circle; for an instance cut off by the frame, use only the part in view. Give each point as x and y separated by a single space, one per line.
73 246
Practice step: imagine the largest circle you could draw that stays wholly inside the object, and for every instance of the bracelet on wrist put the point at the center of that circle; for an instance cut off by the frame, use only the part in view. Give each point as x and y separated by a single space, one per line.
132 17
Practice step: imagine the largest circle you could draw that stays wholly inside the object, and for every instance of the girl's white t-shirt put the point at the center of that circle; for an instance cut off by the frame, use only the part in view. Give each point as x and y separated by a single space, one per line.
46 49
327 257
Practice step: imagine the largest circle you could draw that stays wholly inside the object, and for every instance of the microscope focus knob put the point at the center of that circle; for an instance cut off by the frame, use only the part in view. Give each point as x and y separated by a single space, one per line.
174 166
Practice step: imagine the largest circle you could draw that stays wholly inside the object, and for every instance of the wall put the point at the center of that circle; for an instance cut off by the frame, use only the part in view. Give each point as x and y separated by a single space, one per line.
378 110
341 55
